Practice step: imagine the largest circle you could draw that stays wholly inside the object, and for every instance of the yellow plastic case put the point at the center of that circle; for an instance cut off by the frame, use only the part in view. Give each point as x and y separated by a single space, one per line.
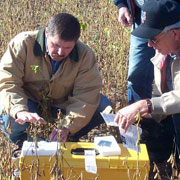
128 165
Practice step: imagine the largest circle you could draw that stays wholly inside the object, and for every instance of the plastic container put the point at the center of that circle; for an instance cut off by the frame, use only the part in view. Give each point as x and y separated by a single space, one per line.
107 146
44 148
72 164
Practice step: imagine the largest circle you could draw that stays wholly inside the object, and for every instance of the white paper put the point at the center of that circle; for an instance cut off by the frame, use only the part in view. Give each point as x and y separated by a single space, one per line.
90 161
109 119
130 138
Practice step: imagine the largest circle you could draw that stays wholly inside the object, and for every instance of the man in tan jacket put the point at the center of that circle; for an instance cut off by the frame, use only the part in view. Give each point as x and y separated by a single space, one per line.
161 26
50 69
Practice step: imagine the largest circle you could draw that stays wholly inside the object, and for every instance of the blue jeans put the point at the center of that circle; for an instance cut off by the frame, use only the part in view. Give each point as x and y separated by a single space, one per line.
18 134
141 70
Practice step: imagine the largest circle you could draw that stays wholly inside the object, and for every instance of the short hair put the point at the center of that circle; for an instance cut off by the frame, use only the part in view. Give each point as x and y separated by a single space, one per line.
172 26
65 25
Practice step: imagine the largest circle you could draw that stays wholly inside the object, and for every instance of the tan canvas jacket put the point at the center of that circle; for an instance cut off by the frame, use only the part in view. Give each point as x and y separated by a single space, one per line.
25 73
166 103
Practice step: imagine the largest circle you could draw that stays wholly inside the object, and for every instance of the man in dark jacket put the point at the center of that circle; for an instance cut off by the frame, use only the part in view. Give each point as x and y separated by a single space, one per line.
140 73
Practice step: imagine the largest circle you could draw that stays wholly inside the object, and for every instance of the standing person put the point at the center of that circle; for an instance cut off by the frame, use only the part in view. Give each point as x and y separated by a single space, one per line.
51 64
161 26
140 71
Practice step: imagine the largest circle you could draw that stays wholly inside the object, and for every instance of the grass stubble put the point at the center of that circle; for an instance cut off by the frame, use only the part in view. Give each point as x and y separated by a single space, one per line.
102 32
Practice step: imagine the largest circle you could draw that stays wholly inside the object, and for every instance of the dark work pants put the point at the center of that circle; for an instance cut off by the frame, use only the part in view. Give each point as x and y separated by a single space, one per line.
159 138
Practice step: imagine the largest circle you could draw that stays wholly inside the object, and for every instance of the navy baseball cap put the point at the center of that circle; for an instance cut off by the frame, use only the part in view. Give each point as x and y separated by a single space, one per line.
156 15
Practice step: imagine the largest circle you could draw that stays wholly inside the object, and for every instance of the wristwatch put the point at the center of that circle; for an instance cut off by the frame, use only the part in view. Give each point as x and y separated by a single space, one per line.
149 105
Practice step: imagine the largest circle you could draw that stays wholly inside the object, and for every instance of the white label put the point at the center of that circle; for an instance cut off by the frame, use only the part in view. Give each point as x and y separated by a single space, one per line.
90 161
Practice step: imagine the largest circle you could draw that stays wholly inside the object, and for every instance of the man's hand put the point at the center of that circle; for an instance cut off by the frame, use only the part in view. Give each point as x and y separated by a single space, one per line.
124 17
63 134
24 116
126 116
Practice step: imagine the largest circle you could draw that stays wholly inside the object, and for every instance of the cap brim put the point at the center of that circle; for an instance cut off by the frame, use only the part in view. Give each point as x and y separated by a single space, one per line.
145 32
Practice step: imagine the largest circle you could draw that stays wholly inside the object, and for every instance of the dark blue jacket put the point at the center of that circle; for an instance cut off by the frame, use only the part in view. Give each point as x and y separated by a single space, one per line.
133 8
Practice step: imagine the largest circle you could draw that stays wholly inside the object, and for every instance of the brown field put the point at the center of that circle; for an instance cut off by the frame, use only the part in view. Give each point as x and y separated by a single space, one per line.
100 30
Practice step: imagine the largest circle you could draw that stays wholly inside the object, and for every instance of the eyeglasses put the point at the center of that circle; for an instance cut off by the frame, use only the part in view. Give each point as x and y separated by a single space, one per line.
155 41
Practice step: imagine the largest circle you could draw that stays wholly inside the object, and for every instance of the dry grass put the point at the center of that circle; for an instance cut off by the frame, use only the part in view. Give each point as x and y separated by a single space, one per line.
100 30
